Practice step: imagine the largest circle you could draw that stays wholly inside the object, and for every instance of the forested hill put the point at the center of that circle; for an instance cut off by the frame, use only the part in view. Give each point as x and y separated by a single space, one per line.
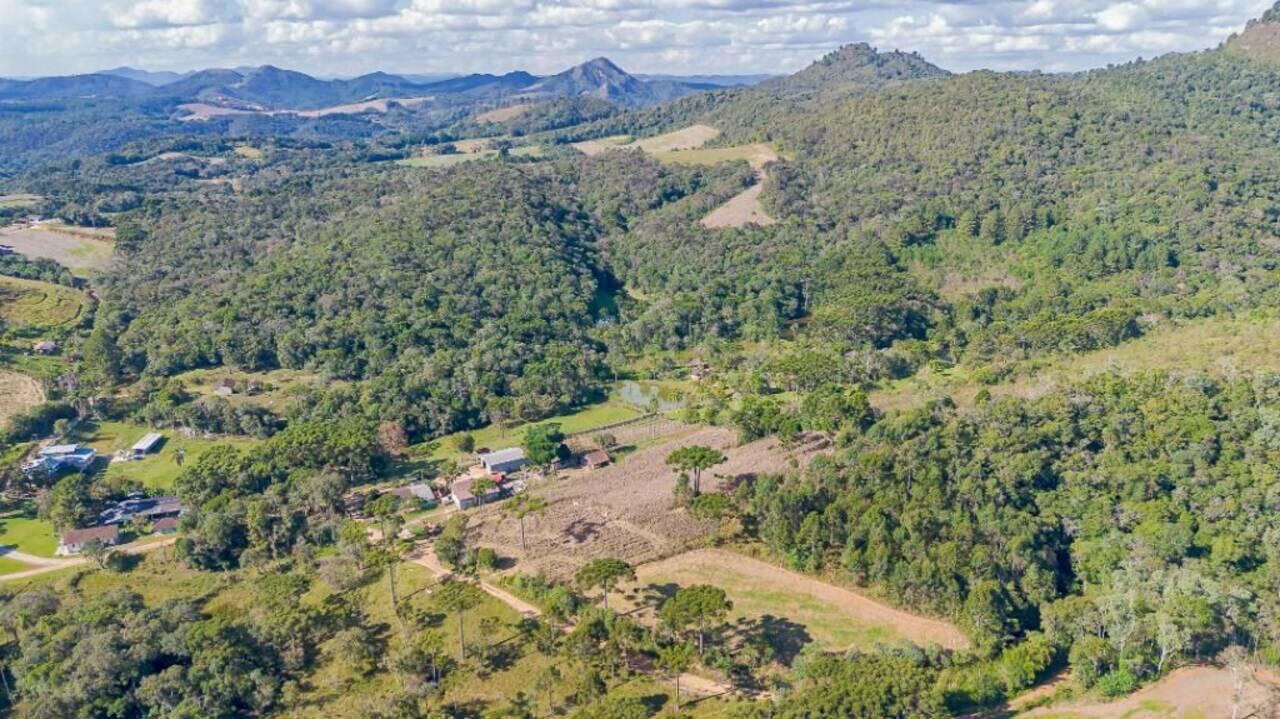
460 295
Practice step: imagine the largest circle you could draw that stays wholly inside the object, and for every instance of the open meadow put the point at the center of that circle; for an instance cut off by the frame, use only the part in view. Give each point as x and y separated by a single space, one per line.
793 608
82 250
43 305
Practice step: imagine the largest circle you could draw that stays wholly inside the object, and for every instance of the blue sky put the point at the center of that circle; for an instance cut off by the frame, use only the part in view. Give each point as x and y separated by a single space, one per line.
40 37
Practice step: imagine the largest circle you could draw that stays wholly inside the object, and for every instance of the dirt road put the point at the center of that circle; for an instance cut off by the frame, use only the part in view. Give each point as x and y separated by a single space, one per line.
54 565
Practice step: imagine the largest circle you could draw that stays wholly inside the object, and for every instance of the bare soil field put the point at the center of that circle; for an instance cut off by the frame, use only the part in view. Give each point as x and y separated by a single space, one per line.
1201 691
76 251
18 393
625 510
798 607
689 138
604 144
503 114
741 210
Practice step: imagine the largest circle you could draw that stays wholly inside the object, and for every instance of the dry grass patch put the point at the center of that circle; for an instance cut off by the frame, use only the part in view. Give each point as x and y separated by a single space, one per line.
1219 346
78 249
757 155
1199 691
795 609
18 393
627 510
504 114
742 210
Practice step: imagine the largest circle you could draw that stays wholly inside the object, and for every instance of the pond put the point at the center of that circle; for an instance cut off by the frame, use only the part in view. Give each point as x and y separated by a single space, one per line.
642 394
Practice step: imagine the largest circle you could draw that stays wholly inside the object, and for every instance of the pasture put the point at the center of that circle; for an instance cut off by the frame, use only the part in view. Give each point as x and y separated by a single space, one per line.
794 607
757 155
742 210
505 114
1221 346
40 305
18 393
81 250
159 469
19 200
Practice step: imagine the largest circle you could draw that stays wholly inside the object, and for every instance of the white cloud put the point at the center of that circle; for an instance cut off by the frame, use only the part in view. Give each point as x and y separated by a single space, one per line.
353 36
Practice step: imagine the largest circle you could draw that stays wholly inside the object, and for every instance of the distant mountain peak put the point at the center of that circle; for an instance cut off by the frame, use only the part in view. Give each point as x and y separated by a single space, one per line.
854 68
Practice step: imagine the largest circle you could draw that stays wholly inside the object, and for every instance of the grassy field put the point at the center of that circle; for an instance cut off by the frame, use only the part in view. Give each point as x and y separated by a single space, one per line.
794 609
28 534
249 152
19 200
756 155
461 157
277 385
493 437
40 304
159 470
1221 346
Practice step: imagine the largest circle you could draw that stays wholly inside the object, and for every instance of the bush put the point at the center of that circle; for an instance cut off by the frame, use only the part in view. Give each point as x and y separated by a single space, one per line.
1118 683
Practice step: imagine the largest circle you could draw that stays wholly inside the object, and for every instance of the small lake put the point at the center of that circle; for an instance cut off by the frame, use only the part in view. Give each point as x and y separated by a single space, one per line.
642 394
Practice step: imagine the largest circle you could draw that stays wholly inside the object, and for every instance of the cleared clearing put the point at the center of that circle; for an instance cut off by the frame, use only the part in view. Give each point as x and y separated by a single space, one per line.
199 111
503 114
689 138
741 210
40 304
625 510
1200 691
77 251
1218 346
803 607
19 200
757 155
18 393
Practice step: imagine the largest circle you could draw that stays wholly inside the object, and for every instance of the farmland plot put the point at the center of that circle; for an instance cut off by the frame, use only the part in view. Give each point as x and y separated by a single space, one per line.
626 510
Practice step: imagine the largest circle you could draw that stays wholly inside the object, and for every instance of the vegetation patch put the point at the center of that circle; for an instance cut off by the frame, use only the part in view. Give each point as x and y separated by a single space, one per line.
40 305
79 250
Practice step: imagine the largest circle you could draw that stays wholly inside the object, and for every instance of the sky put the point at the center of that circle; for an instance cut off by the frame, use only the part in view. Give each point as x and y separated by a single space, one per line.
350 37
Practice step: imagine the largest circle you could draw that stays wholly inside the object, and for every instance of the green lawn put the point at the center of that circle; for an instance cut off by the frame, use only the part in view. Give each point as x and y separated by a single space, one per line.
28 534
159 470
11 566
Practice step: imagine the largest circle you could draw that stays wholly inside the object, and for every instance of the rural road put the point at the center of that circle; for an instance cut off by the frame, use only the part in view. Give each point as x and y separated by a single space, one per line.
52 565
523 608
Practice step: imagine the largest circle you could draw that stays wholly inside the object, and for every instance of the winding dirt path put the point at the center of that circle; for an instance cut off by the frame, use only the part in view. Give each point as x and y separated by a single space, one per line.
433 565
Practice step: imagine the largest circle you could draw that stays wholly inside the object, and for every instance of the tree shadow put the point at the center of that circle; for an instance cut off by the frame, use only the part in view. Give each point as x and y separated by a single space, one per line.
787 638
583 530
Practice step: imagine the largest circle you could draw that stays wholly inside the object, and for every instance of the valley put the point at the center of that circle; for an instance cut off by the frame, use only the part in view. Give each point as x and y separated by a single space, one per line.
873 389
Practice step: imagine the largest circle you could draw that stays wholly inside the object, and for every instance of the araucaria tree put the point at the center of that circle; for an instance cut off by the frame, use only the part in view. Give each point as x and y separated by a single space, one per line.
701 607
694 460
459 597
523 506
604 574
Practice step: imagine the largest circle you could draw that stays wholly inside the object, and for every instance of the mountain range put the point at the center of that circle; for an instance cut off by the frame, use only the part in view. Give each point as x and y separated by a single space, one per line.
272 88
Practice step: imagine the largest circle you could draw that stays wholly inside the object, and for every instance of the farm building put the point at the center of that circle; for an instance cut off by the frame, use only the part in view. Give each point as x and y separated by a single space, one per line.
421 493
54 459
168 525
146 508
45 347
147 444
224 387
504 460
596 459
463 498
74 542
